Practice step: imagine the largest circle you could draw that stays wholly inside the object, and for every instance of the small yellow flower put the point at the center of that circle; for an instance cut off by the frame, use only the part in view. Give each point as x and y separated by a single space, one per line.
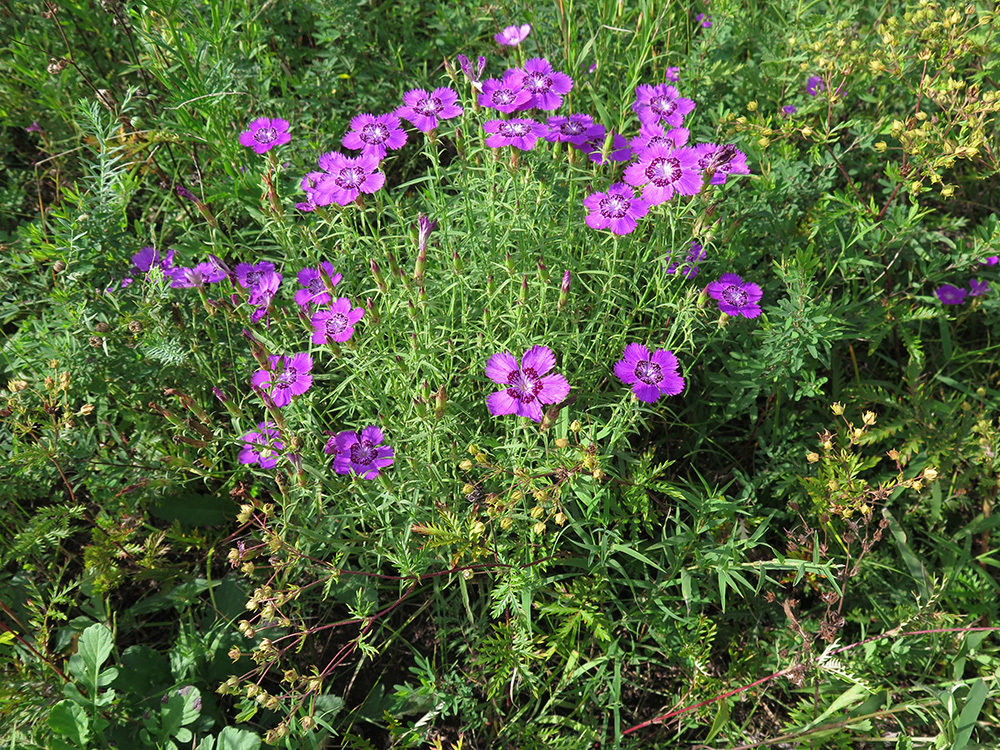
837 408
868 418
812 457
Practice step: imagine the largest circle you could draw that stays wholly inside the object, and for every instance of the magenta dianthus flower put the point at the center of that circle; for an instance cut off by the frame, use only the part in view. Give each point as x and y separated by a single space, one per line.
203 273
662 171
527 385
518 132
363 455
424 110
689 267
951 295
653 133
735 296
789 110
571 129
721 161
248 276
546 86
673 74
375 134
593 144
286 376
474 76
262 447
704 20
314 289
506 95
978 288
661 103
617 209
991 261
346 178
650 375
262 292
337 323
264 134
513 35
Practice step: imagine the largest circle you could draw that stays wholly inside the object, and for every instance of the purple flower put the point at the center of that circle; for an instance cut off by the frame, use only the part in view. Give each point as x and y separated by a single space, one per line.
705 21
650 376
424 110
183 192
572 129
951 295
814 85
506 95
653 133
474 76
248 276
789 109
309 183
374 135
721 161
673 74
34 127
978 288
263 292
689 268
617 209
593 144
546 86
661 103
264 134
735 297
285 377
262 447
335 324
991 261
314 286
513 35
148 257
519 132
363 454
526 386
203 273
663 171
346 178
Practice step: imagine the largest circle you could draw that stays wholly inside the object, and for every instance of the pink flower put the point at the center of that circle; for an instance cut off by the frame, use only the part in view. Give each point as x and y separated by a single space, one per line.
526 385
264 134
513 35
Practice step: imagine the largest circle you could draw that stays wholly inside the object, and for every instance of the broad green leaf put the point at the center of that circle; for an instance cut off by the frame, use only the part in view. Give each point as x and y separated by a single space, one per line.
69 719
232 738
94 648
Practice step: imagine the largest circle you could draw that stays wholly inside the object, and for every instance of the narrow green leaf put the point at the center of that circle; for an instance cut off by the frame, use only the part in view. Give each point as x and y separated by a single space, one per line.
721 719
637 555
966 723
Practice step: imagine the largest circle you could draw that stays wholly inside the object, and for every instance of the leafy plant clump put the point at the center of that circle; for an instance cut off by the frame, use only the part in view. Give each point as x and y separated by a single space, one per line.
522 377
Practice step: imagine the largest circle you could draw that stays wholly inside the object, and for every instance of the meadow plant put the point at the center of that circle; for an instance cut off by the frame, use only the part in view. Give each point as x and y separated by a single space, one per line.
456 435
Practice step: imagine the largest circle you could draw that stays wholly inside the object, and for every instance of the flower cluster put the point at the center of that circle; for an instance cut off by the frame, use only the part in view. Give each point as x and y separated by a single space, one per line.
530 384
341 179
662 164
